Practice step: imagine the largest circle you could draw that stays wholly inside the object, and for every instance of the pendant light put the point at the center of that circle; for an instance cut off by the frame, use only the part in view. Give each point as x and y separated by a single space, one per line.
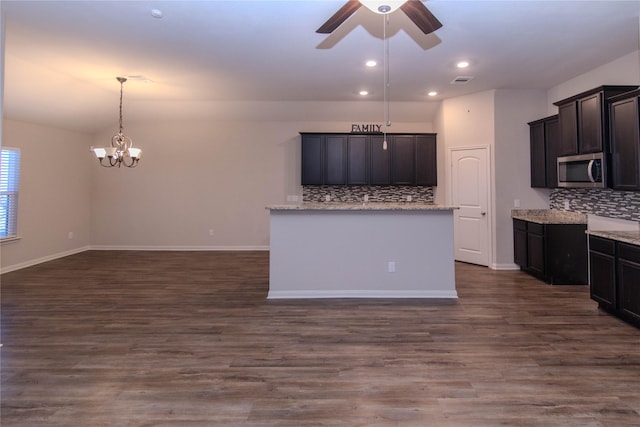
385 89
121 151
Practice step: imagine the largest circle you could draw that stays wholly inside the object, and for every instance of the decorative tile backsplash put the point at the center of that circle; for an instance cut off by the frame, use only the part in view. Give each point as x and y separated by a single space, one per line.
376 194
602 202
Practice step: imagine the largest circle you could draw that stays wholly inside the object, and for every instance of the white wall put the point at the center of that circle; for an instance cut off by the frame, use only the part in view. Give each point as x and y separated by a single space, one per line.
54 193
201 175
513 110
462 121
622 71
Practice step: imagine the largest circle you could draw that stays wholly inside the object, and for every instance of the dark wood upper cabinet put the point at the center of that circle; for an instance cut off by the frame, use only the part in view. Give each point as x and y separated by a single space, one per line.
426 160
312 160
538 155
360 159
552 140
584 122
336 160
544 139
568 126
380 171
625 142
403 160
590 122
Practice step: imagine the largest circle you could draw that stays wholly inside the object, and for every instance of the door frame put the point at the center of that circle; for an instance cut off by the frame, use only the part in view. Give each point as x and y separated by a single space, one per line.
490 216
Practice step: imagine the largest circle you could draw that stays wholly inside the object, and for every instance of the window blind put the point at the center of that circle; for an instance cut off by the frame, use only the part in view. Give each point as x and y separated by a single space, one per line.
9 183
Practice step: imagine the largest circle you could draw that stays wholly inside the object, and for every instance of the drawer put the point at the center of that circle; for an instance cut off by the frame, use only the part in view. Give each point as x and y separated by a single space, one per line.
519 224
534 228
629 252
601 245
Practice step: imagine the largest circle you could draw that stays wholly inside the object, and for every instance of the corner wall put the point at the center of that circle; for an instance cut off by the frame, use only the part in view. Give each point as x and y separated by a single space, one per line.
54 194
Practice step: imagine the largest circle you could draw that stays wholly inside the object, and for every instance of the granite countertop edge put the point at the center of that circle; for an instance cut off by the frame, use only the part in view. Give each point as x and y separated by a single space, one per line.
328 206
549 216
632 237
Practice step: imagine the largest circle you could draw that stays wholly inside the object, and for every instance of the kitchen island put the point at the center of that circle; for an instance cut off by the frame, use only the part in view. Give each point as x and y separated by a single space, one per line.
366 250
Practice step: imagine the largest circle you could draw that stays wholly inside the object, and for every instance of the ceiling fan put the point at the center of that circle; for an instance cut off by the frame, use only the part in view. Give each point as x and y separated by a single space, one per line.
414 9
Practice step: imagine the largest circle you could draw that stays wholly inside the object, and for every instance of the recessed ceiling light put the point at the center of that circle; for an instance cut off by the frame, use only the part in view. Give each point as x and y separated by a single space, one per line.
364 92
156 13
432 93
462 64
371 63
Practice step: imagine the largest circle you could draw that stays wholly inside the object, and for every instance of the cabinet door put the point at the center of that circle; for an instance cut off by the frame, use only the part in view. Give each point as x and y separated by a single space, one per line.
312 160
403 154
590 124
358 160
568 124
551 140
629 280
336 160
535 249
520 243
538 155
625 145
603 279
602 269
426 160
380 172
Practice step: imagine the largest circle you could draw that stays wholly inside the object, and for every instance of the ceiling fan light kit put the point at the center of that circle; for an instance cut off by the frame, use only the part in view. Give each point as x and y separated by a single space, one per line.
414 9
382 6
121 151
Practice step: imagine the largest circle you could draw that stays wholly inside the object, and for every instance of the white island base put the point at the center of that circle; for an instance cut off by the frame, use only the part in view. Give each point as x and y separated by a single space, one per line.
361 251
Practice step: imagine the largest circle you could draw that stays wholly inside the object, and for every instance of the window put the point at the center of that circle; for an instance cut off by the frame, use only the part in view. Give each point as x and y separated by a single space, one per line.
9 180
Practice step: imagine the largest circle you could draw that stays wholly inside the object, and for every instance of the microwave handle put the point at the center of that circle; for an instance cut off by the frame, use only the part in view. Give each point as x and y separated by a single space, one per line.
590 171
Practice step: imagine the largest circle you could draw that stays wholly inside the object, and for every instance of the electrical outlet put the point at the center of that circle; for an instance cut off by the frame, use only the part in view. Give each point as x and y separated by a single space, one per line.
70 235
366 198
391 266
566 205
516 203
327 198
211 232
409 198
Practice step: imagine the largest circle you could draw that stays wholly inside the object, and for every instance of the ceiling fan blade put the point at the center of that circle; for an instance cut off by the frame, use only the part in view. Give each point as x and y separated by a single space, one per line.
421 16
339 17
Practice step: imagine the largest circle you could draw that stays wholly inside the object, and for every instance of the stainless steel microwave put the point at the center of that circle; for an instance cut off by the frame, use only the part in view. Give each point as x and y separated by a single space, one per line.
582 171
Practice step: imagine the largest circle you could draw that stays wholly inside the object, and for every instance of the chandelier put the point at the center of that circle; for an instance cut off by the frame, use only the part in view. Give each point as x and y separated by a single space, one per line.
121 151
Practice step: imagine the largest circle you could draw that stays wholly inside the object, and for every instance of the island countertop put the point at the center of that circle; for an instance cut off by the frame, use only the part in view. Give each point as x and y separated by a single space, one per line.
336 206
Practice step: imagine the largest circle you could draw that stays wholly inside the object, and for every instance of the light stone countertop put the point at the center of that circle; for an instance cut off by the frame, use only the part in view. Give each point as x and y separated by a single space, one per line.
549 216
334 206
632 237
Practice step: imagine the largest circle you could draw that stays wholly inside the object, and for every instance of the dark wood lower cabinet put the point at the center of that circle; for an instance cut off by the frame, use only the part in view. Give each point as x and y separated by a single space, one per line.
629 280
555 253
602 263
615 277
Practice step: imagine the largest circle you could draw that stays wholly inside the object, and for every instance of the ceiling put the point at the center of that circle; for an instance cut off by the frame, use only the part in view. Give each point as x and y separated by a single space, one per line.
62 57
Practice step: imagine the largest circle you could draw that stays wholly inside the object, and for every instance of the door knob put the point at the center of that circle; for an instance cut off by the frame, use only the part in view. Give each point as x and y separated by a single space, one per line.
484 213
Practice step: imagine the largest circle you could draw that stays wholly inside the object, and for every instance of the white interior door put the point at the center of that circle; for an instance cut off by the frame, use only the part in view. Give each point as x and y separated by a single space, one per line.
470 191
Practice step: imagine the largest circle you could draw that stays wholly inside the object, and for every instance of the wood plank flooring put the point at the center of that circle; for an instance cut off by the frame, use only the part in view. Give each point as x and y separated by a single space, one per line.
189 339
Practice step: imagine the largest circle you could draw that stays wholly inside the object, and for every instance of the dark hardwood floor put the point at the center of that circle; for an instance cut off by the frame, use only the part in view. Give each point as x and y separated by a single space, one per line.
189 339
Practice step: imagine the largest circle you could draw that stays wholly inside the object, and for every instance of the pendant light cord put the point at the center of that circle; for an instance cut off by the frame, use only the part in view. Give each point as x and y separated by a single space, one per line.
385 88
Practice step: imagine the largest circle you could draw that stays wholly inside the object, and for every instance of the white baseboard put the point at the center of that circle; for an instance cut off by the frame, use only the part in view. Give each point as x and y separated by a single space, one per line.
360 294
36 261
505 267
177 248
47 258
